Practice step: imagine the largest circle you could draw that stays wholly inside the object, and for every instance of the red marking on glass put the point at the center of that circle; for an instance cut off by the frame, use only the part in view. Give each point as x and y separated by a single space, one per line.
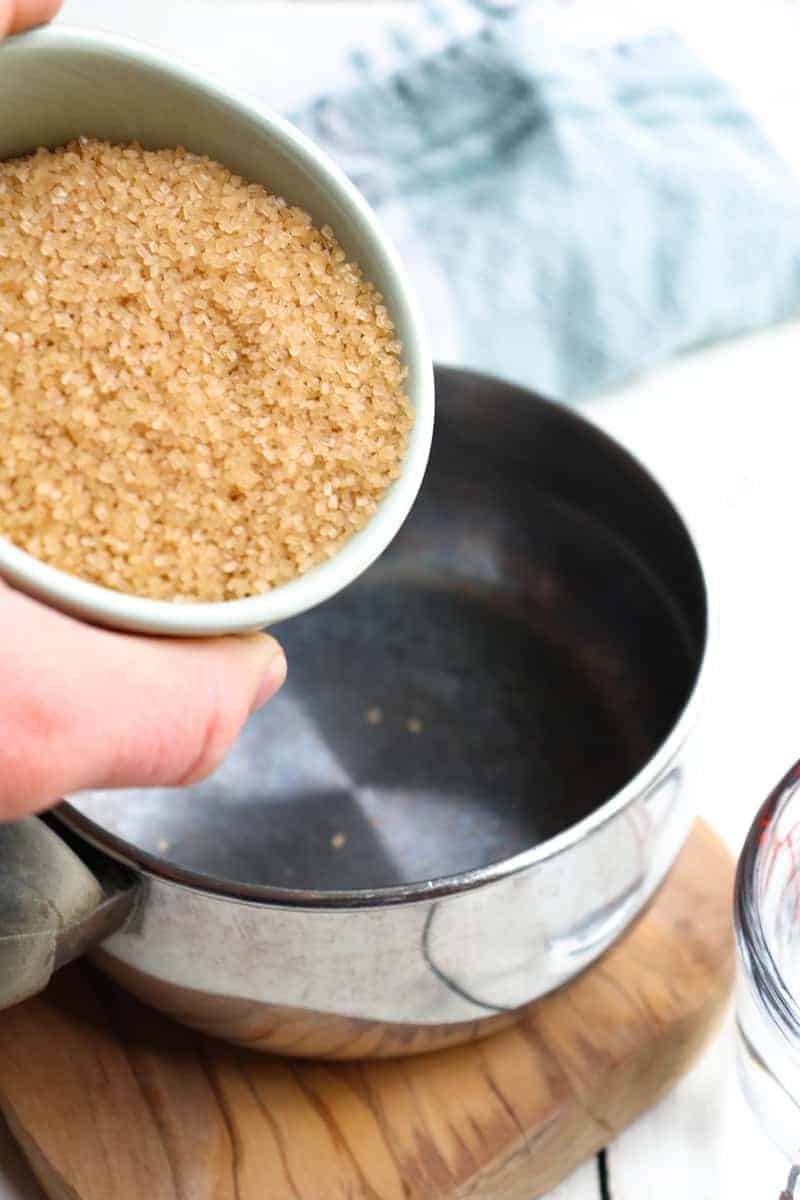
792 878
781 847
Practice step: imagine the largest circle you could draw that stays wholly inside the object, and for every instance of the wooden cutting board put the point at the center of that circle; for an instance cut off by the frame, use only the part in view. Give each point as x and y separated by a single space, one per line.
110 1101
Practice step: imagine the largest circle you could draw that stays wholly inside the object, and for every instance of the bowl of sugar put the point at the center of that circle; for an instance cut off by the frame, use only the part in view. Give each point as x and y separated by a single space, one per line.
216 396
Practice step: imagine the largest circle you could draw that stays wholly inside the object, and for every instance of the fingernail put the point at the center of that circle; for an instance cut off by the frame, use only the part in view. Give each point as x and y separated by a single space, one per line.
271 680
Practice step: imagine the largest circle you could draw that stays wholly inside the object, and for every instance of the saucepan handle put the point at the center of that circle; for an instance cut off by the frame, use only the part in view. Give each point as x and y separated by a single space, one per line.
52 906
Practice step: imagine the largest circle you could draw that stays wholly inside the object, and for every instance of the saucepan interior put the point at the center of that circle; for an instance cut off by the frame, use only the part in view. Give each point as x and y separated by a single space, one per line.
516 659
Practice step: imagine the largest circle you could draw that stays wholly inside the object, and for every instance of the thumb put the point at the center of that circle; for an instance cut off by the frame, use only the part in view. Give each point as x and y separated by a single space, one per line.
16 15
81 707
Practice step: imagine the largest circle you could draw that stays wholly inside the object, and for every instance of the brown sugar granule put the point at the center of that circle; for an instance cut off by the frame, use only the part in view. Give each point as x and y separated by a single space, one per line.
200 398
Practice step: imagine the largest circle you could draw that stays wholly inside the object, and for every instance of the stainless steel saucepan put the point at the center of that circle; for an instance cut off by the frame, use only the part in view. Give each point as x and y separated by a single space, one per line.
477 774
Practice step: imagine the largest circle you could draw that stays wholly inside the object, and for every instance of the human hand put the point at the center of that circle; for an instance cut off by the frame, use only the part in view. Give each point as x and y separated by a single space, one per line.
81 707
16 15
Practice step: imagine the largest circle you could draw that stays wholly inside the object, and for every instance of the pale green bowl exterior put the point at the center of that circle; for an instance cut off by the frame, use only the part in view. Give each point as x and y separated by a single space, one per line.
60 83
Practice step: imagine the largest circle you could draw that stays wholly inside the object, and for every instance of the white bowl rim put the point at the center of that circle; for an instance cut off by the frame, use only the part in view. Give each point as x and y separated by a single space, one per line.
123 611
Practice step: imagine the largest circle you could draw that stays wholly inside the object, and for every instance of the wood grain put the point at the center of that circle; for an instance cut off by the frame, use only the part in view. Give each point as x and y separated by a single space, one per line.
110 1101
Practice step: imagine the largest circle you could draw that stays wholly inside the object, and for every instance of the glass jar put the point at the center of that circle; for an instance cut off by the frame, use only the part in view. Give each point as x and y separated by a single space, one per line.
767 918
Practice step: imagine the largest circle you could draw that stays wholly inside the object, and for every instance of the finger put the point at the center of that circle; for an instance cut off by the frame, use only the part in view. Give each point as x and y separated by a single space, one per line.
82 707
16 15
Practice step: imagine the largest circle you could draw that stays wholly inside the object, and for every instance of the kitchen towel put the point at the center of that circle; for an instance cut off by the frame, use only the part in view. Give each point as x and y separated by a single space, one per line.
570 214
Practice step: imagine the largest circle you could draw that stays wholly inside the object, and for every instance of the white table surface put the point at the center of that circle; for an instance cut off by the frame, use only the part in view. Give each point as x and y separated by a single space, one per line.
719 428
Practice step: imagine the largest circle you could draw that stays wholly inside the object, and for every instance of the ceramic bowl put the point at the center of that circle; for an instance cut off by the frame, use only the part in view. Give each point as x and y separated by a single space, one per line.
59 83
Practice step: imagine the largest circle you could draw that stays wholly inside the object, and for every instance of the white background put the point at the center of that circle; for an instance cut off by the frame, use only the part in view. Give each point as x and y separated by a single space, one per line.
720 430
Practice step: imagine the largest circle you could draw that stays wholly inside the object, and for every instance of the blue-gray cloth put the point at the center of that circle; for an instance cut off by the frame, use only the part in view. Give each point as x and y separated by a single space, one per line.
593 211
